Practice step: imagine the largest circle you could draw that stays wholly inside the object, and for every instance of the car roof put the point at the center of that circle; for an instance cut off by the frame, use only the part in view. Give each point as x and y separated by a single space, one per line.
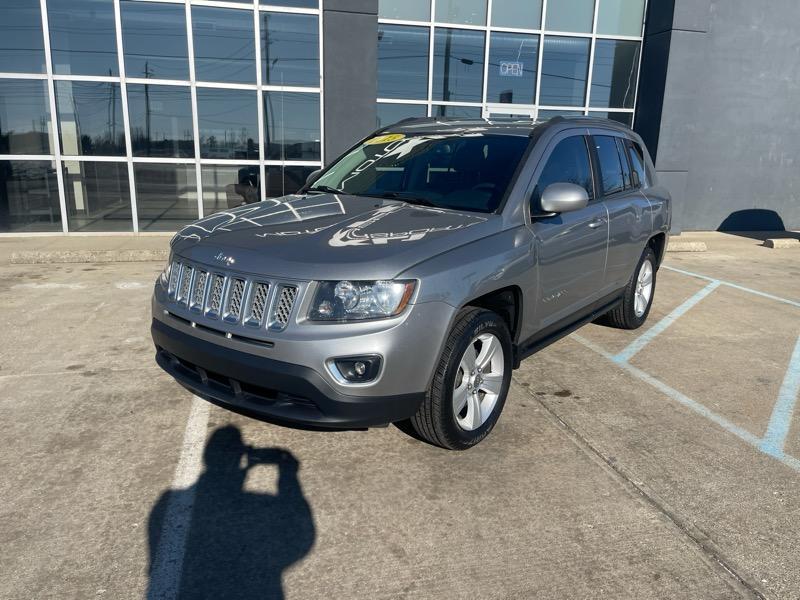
521 127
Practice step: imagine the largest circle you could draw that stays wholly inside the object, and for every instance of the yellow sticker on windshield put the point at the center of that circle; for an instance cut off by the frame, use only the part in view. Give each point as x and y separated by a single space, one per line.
384 139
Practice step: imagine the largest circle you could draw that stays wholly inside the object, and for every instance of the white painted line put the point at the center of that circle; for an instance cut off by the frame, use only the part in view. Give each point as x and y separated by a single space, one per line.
165 572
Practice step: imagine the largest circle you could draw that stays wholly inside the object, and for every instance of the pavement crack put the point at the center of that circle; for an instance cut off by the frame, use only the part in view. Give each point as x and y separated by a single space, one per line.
708 550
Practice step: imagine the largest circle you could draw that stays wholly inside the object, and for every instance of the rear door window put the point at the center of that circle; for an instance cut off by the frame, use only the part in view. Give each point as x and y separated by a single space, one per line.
626 167
568 163
612 177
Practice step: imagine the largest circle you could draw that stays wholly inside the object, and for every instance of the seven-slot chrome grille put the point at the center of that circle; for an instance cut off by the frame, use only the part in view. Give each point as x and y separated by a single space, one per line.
231 298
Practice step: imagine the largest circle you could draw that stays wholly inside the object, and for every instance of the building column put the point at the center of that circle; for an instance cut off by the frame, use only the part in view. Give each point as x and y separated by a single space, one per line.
350 50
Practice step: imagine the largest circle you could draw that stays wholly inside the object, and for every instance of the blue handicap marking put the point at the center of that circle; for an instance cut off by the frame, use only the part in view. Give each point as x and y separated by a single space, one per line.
781 420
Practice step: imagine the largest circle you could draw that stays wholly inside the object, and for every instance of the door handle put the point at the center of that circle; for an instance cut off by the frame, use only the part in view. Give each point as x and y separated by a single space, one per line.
597 223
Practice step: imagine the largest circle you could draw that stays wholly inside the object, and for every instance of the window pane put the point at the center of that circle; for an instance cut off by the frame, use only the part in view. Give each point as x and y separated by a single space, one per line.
166 196
620 17
626 168
292 130
403 62
226 187
469 12
512 68
90 118
637 160
293 3
388 114
570 15
621 117
98 196
224 46
549 114
458 65
228 123
614 75
161 120
22 47
610 168
154 37
24 117
520 14
409 10
290 49
83 38
286 180
565 66
457 112
569 163
29 196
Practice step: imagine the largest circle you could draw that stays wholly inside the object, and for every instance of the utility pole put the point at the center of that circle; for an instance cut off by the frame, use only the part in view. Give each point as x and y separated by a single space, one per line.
147 74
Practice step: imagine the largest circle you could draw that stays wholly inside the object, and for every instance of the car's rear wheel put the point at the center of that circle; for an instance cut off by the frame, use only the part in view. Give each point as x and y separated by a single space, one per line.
471 382
638 296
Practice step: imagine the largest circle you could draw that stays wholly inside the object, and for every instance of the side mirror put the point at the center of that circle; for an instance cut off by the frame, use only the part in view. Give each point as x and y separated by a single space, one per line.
563 197
312 177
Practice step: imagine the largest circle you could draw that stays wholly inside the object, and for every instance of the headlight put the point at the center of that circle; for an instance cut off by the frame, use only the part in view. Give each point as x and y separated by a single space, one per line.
358 300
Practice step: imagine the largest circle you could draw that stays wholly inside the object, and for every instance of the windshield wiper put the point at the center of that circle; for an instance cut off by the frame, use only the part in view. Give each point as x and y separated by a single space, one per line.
407 199
326 189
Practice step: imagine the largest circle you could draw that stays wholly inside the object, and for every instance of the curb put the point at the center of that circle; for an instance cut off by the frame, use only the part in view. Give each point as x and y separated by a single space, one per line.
686 246
781 243
33 257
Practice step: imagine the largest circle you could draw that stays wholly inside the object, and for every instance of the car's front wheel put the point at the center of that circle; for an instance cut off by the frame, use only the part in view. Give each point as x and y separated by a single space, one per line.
471 382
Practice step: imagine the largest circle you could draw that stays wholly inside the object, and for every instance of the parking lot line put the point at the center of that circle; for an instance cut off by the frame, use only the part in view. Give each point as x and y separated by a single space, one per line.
165 572
781 419
734 285
700 409
647 337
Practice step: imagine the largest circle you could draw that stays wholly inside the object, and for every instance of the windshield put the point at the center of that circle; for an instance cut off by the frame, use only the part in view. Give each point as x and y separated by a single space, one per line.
464 172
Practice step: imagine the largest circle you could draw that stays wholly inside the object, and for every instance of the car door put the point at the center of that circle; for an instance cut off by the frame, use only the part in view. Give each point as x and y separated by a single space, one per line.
628 209
571 246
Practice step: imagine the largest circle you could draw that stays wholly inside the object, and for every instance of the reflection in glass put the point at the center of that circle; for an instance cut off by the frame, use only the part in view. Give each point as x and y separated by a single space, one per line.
543 115
512 68
228 186
570 15
228 123
24 117
90 118
289 49
224 46
407 10
519 14
286 180
622 117
456 112
161 120
565 66
98 196
83 38
166 196
154 38
22 46
468 12
403 62
388 114
614 74
620 17
29 196
458 65
292 130
293 3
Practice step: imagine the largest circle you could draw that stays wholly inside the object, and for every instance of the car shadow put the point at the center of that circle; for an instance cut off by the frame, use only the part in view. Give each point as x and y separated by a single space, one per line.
236 543
757 224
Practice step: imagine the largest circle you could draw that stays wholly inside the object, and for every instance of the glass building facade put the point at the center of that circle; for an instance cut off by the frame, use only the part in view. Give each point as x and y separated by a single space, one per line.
143 115
519 58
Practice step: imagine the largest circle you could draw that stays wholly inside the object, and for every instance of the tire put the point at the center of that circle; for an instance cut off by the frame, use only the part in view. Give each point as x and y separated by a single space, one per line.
436 421
626 315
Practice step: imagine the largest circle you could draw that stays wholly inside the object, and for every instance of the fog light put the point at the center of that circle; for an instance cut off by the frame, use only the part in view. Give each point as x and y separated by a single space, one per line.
356 369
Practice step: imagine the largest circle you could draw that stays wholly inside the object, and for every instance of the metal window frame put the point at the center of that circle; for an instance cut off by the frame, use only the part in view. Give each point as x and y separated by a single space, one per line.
533 109
58 159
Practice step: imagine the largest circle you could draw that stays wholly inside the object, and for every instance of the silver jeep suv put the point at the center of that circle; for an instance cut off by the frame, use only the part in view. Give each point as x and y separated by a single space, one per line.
409 278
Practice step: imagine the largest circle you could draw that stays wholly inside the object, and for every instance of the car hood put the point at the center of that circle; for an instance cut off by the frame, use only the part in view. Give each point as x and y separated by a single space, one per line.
328 236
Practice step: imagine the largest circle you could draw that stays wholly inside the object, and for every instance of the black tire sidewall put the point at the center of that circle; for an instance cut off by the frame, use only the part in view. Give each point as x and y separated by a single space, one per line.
483 322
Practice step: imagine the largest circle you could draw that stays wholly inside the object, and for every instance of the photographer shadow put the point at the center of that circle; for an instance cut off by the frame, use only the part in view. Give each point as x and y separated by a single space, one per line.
237 543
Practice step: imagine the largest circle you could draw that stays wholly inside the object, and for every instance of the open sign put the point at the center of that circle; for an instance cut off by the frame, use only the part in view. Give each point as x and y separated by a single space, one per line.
511 69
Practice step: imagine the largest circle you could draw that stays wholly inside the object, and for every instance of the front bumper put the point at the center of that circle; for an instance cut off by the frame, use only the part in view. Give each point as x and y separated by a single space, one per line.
269 389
